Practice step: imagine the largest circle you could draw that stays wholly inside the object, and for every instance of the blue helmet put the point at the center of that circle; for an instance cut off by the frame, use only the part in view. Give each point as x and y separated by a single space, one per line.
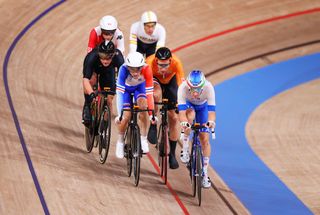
196 80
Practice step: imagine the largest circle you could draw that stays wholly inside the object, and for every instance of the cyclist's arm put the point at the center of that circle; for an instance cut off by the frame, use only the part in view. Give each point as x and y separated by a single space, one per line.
211 103
119 60
133 42
179 71
149 87
120 41
93 39
120 88
87 73
162 36
182 106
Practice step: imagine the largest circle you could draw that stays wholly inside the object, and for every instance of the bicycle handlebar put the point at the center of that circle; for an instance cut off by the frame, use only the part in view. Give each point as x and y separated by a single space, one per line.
198 127
136 109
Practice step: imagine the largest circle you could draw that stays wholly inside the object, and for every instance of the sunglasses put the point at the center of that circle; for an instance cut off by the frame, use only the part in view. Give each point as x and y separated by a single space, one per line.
197 90
163 65
108 32
134 69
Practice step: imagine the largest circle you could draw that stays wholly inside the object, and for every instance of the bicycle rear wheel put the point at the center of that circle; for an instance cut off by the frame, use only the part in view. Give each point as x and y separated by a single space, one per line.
199 173
136 152
164 161
105 133
127 149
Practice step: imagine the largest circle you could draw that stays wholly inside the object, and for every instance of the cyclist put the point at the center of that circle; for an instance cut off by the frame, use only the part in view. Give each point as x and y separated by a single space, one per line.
134 77
101 64
147 35
196 100
168 74
107 31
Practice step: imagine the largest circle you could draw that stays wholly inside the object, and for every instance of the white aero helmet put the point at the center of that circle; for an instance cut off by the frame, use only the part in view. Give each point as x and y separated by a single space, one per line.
108 23
148 16
135 59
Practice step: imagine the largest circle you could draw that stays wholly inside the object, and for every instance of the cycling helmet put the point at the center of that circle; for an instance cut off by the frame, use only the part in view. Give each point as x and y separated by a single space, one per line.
163 53
106 49
135 59
196 80
148 16
108 23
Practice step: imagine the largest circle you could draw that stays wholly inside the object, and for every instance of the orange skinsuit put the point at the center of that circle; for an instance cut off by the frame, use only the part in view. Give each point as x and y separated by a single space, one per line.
175 68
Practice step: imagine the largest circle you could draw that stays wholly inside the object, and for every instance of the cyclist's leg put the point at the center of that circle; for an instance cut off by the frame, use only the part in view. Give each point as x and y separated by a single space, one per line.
202 118
123 125
107 80
86 113
185 155
157 93
170 92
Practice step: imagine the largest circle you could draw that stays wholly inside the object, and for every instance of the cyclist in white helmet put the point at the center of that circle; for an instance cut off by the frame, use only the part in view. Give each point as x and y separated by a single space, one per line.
134 77
107 31
147 35
196 101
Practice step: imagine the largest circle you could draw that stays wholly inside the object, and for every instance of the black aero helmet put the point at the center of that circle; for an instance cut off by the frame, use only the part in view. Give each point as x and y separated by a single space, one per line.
163 53
106 47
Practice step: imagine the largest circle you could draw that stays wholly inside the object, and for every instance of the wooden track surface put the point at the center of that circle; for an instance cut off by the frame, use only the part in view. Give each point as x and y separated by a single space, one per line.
44 78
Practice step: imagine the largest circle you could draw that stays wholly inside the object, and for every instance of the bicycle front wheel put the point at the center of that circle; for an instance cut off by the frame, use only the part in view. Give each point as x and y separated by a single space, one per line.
105 134
164 158
199 173
128 149
136 152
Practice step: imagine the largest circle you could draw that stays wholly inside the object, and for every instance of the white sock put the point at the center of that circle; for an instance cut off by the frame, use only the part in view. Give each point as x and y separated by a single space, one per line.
143 138
205 165
121 138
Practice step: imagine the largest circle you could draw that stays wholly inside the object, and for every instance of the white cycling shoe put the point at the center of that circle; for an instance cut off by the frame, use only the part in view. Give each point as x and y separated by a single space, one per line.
206 182
120 149
144 145
185 156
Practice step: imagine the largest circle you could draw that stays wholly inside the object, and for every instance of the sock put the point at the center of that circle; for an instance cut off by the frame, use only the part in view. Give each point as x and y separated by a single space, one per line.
121 138
205 165
173 145
143 138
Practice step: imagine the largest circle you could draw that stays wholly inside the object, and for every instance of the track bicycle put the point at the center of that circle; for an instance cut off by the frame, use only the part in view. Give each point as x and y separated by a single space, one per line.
163 139
195 164
104 125
132 139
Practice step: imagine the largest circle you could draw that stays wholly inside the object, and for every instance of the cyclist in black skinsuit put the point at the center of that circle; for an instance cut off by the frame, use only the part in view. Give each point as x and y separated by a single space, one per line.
100 64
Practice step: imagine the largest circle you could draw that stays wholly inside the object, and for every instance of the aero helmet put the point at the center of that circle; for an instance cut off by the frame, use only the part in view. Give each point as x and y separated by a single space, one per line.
106 49
163 53
108 23
135 59
196 80
148 16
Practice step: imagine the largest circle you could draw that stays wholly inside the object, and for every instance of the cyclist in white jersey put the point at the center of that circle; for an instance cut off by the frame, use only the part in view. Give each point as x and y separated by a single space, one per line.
196 102
147 35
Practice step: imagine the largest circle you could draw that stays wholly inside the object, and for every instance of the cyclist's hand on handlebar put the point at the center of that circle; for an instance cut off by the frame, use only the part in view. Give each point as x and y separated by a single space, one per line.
153 119
117 120
211 124
185 125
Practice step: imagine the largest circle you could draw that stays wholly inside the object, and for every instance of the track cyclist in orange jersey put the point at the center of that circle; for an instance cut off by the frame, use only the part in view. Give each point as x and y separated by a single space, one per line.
107 31
168 74
102 63
147 35
196 101
135 77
